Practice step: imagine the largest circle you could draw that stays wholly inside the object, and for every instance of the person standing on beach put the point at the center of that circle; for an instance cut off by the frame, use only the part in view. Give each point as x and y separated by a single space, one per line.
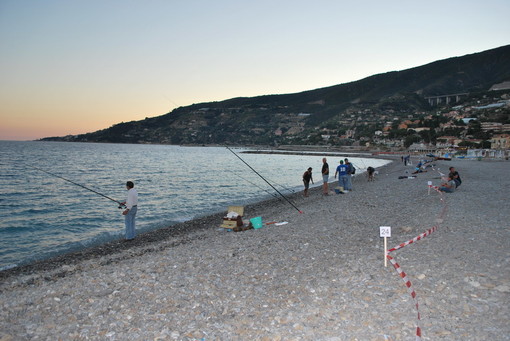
341 170
325 176
307 177
129 213
370 173
350 172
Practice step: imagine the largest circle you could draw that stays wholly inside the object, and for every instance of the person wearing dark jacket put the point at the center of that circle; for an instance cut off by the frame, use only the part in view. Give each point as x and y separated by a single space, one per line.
350 172
307 177
455 176
325 176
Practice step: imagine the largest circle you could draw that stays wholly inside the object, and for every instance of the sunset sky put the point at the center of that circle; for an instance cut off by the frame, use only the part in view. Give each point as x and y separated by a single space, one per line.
72 67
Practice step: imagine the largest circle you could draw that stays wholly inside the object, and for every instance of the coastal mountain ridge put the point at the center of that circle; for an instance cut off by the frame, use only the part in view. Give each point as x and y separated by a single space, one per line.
351 110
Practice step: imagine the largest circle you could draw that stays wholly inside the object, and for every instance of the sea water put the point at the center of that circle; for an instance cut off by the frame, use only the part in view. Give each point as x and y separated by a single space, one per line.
42 215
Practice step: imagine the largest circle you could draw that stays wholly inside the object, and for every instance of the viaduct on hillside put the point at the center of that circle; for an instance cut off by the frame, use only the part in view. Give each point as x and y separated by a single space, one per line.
446 99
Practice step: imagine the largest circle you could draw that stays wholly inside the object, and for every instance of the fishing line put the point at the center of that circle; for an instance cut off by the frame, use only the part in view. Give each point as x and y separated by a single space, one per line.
283 196
353 176
438 170
364 165
77 184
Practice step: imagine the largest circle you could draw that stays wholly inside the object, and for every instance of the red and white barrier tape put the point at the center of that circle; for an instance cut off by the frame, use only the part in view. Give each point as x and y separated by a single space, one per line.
411 291
415 239
399 270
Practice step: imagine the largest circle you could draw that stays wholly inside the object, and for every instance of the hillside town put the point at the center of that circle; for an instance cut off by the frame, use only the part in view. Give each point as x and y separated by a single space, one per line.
476 126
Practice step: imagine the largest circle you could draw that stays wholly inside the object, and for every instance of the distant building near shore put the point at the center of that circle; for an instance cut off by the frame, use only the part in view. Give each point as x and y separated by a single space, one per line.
488 153
500 141
446 141
422 148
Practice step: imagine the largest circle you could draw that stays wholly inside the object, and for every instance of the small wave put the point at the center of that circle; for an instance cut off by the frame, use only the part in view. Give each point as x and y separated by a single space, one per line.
17 229
8 266
66 247
99 239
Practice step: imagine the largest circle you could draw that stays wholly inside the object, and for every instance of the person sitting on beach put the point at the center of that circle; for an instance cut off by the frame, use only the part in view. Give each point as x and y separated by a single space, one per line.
419 168
455 176
449 186
307 177
370 173
428 164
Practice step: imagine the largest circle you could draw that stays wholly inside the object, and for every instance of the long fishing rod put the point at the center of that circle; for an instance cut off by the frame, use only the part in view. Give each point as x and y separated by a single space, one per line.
77 184
290 190
283 196
254 184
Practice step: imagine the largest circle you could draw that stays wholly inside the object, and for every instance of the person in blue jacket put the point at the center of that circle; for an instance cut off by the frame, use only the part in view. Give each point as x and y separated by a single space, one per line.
341 171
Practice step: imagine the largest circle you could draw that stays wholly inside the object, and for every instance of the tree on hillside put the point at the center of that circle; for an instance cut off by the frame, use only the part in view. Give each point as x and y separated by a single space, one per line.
409 140
428 136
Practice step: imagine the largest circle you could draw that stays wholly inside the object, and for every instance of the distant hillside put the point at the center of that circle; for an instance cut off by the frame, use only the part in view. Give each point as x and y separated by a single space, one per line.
356 108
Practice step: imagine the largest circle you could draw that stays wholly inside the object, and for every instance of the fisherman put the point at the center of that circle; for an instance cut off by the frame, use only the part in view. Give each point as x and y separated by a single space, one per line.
325 176
307 177
350 171
129 213
370 173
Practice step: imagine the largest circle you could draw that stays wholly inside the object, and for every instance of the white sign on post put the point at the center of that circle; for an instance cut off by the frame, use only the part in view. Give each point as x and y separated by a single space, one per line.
385 232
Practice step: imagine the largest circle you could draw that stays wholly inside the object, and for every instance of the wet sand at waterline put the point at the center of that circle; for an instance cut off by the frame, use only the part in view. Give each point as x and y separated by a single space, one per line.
321 276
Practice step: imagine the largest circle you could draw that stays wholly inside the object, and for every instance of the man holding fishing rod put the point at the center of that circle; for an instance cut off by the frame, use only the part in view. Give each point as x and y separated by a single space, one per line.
131 202
129 213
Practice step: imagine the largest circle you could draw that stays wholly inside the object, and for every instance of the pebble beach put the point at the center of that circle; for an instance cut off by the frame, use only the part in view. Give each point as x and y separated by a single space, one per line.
319 276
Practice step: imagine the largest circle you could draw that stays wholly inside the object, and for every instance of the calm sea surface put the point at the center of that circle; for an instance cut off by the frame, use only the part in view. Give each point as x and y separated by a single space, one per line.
42 215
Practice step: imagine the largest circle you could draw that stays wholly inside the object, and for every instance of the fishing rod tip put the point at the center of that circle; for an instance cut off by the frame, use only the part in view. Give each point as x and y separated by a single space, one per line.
301 212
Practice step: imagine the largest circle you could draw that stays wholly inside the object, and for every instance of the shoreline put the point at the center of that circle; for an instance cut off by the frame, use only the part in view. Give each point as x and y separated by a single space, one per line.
178 230
320 277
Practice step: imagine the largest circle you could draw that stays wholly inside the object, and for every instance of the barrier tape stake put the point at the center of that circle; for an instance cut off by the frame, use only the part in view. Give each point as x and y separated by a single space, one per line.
385 232
385 253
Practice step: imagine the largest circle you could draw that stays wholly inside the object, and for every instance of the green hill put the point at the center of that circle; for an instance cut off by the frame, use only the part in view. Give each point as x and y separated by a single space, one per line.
361 106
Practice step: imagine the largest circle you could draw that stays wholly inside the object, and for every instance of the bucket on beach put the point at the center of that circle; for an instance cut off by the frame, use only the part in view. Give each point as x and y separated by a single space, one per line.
256 222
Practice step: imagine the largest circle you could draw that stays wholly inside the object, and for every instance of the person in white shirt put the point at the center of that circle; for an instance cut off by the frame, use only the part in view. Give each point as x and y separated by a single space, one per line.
129 213
449 186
